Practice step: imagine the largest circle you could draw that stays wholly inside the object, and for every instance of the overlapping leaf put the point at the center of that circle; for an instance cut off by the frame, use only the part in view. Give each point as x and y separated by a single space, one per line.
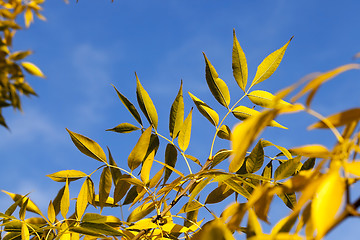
185 132
266 99
104 186
138 153
256 158
286 169
177 114
205 110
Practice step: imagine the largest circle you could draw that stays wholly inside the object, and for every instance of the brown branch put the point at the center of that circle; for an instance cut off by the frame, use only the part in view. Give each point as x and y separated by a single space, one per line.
173 203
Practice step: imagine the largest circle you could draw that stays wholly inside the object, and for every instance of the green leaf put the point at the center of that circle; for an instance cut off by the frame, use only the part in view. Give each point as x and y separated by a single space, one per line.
65 201
185 132
71 175
124 128
104 186
129 106
177 114
224 132
82 200
239 64
266 99
255 159
268 66
146 104
216 85
170 159
220 156
138 153
205 110
242 113
87 146
141 212
286 169
237 187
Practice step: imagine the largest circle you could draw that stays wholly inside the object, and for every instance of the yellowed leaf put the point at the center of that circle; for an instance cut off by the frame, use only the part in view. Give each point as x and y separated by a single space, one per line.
51 212
339 119
239 64
24 231
146 223
65 201
352 168
146 167
313 150
266 99
82 200
32 69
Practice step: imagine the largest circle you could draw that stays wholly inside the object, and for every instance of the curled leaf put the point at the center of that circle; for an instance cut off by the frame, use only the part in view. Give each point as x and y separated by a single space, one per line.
205 110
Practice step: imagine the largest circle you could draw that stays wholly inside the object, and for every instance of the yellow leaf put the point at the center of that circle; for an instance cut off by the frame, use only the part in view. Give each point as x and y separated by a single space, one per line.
224 132
314 150
268 66
28 16
146 167
104 186
352 168
146 223
51 212
339 119
177 114
24 231
205 110
141 212
185 132
266 99
327 202
239 64
71 175
30 205
216 230
253 227
82 200
32 69
138 153
65 201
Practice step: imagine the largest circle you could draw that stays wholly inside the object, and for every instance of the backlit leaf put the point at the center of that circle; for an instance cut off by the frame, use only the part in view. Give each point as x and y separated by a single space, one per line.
215 230
339 119
266 99
289 199
237 187
268 66
138 153
205 110
124 128
146 104
314 150
216 85
177 114
101 228
146 223
267 172
65 201
239 64
327 202
82 200
155 180
32 69
190 206
94 218
71 175
87 146
224 132
131 195
141 212
185 132
170 159
104 186
129 106
253 226
286 169
146 167
255 159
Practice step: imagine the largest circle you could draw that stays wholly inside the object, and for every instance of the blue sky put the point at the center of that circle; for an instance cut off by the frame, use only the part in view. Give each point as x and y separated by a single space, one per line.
83 48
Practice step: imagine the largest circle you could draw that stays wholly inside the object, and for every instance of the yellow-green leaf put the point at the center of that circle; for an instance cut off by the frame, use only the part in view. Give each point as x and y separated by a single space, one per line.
170 159
253 227
220 156
155 180
138 153
71 175
218 194
327 202
205 110
269 65
339 119
312 150
239 64
121 188
286 153
215 230
82 200
129 106
115 171
30 205
146 167
16 56
124 128
266 99
87 146
185 132
146 223
32 69
256 158
24 231
190 206
224 132
286 169
65 201
216 85
198 188
146 104
141 212
242 113
104 186
51 212
244 134
177 114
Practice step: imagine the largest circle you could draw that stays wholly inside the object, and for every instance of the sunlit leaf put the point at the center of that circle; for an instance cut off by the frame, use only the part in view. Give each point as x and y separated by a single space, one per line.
104 186
237 187
141 212
146 223
253 226
65 201
115 172
194 159
239 64
94 218
185 132
124 128
314 150
71 175
82 200
286 153
146 167
198 188
170 159
216 85
215 230
220 156
339 119
138 153
267 172
268 66
31 207
224 132
32 69
24 231
266 99
255 159
286 169
190 206
205 110
177 114
87 146
129 106
327 202
51 212
155 180
146 104
352 168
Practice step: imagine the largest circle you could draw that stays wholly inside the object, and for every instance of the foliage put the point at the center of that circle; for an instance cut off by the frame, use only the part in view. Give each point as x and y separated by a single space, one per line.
311 180
12 64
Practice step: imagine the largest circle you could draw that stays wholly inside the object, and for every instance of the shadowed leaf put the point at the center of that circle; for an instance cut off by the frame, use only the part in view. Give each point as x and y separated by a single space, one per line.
177 114
138 153
124 128
205 110
71 175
